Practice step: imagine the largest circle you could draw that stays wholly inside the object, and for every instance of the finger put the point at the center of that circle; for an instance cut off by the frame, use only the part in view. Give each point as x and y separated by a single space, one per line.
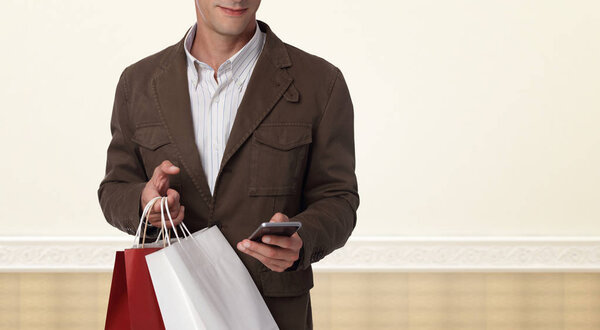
154 218
285 242
180 215
173 199
175 220
171 210
153 215
269 251
147 195
279 217
156 221
160 177
173 202
174 214
165 168
273 264
156 208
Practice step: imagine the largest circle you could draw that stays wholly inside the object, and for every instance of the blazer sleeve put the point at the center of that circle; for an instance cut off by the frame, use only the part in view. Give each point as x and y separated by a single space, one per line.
120 190
330 191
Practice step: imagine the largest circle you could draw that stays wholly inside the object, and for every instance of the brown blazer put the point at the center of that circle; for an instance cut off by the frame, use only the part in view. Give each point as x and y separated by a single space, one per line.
291 150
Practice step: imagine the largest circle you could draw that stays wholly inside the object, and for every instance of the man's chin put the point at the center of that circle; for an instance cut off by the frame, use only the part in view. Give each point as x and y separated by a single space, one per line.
230 29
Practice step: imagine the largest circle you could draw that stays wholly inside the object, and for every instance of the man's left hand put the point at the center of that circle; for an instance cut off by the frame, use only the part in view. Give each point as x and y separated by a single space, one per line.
279 252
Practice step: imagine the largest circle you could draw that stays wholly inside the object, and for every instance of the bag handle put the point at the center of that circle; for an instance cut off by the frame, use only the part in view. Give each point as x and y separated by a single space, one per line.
144 219
182 224
145 214
164 208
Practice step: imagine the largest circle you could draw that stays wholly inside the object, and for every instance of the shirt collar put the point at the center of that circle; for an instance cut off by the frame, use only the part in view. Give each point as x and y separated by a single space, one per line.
235 62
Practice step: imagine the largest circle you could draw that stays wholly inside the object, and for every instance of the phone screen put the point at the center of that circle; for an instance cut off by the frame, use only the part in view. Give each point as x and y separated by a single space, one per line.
275 228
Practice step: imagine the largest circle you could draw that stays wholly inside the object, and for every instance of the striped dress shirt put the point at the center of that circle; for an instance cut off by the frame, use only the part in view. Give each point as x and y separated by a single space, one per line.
214 105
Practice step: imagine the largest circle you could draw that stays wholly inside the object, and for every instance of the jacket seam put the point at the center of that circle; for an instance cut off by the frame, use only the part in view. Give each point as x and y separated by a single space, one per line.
329 92
127 112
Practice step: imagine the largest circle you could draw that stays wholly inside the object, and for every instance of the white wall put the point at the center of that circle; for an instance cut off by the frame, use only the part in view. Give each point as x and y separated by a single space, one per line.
472 117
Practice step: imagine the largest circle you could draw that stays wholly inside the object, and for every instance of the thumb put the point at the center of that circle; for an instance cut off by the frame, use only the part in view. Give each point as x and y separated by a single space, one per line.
279 217
160 177
167 168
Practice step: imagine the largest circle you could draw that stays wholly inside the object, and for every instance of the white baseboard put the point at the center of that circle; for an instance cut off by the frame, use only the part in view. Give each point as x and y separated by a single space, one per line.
371 254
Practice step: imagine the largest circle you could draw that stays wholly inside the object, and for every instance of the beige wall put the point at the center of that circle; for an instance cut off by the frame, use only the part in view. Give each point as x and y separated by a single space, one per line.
472 117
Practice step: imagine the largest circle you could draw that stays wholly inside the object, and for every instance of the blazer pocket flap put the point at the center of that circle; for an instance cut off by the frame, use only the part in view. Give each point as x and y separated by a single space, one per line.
151 137
287 283
285 136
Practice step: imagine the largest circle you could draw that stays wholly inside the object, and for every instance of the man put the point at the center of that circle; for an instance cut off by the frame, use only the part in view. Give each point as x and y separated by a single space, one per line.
237 127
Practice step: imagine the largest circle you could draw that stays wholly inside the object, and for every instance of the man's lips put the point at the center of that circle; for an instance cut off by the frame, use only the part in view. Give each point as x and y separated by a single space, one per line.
233 12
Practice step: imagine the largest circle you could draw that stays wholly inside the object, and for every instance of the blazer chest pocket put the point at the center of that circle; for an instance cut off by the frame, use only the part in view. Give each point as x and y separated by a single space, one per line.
279 154
151 136
153 141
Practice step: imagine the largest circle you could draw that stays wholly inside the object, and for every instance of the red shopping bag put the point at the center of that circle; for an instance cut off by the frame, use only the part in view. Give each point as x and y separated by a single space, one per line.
117 316
132 303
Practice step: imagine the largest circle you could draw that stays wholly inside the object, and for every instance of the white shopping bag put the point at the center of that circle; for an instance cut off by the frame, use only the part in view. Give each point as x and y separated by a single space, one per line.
200 283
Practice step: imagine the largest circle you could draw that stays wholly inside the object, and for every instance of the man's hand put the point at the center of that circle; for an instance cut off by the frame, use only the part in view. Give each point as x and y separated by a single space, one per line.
280 252
159 186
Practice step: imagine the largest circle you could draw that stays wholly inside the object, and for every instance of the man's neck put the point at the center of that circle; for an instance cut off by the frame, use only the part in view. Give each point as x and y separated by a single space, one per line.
214 49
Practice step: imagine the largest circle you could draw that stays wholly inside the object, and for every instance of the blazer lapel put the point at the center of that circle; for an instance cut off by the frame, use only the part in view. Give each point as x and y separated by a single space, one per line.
268 83
170 86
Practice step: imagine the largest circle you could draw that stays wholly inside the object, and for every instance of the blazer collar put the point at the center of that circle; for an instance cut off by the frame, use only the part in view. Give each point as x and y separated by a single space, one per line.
268 82
234 63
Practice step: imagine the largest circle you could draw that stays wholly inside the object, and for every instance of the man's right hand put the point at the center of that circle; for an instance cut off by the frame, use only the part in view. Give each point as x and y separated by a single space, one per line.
159 186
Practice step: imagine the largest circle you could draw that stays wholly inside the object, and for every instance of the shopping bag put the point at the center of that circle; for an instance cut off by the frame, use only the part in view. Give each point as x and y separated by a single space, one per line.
200 283
132 302
117 315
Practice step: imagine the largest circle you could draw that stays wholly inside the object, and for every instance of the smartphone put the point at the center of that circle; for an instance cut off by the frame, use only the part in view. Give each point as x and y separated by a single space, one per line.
275 228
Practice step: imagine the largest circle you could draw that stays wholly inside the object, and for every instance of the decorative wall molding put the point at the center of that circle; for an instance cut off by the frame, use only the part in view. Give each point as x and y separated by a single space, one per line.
491 254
